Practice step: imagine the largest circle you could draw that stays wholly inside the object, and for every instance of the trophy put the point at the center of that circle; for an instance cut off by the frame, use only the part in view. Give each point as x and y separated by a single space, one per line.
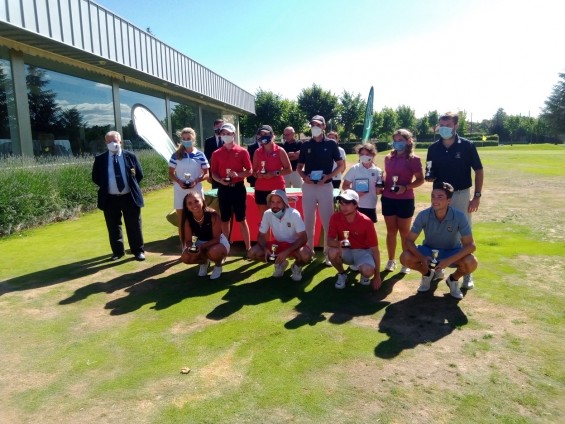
345 242
380 183
263 170
394 187
187 179
273 255
434 261
227 179
429 174
194 247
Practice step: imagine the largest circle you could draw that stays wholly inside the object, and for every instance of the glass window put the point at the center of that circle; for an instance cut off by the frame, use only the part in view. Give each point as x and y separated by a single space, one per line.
208 118
69 115
185 115
9 140
127 99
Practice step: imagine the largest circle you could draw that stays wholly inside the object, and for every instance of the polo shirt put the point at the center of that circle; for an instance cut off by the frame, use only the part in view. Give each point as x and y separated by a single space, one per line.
285 229
319 155
272 163
237 159
359 172
362 233
290 147
445 234
453 165
405 169
191 163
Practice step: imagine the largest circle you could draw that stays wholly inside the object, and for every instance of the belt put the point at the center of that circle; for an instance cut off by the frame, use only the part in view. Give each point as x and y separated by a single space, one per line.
232 184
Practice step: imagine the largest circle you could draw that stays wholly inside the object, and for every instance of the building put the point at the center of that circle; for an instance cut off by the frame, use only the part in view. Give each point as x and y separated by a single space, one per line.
71 70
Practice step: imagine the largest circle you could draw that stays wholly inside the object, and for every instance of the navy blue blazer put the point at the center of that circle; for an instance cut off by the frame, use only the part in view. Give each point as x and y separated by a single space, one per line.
134 175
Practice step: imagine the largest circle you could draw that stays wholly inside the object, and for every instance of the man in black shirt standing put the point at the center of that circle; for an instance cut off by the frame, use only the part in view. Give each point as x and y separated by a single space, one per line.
292 148
211 144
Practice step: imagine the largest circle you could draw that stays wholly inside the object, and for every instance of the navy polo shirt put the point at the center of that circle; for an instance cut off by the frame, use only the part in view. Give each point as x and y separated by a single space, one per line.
453 164
319 155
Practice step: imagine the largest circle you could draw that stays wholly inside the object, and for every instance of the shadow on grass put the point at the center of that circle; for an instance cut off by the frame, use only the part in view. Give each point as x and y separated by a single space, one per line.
343 305
419 319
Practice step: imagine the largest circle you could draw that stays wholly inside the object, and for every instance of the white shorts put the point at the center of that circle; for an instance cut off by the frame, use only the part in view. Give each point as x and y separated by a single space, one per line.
223 241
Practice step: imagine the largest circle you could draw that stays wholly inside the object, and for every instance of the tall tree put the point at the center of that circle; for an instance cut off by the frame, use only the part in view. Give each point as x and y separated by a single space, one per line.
43 109
406 117
352 112
316 101
498 124
554 110
269 109
390 122
293 116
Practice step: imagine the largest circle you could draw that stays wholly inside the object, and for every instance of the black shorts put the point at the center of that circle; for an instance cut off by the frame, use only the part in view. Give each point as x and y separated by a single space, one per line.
232 201
371 213
402 208
336 183
261 197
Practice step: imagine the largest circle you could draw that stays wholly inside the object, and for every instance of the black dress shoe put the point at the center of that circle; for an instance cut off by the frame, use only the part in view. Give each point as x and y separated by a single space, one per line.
116 257
139 256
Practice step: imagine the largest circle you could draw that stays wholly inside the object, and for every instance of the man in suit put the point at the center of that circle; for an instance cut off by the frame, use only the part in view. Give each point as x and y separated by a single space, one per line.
117 173
211 144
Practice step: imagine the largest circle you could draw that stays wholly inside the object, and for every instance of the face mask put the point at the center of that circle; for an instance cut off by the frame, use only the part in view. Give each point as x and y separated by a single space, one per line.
445 132
228 139
187 144
365 159
316 131
113 146
265 139
399 146
279 214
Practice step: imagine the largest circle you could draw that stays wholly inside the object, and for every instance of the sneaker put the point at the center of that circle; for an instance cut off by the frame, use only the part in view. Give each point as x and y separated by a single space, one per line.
405 270
279 269
216 272
468 283
204 269
353 268
454 289
327 261
341 280
390 265
439 275
365 281
426 281
296 272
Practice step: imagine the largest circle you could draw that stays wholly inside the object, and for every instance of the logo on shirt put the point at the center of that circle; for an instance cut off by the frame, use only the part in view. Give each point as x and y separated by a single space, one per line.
458 155
450 228
288 224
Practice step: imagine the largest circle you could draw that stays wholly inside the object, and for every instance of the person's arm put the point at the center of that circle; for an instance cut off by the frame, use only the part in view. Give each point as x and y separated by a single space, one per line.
376 280
339 168
300 169
216 232
346 185
410 243
298 243
186 233
467 248
476 200
285 160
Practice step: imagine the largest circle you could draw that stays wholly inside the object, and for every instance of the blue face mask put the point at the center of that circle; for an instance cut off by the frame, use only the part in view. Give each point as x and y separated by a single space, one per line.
279 214
445 132
399 146
265 139
187 144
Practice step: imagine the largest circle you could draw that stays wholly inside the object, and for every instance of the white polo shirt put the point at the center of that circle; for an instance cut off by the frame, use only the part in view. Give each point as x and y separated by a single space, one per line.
285 229
358 171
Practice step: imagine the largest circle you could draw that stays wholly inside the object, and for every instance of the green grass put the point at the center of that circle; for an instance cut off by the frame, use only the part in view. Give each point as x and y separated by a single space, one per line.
86 340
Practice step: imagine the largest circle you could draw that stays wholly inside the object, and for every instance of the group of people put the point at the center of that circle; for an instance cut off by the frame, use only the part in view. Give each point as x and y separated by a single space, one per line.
313 165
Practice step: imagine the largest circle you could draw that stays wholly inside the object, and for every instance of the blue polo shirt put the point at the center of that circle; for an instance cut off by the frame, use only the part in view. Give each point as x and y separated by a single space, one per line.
445 234
319 155
453 164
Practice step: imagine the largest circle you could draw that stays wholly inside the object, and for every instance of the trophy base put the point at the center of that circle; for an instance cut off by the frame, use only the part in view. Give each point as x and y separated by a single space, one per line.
193 250
394 189
272 259
346 246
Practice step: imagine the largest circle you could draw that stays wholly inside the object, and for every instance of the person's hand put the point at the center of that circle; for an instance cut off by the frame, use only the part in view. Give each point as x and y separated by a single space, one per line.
401 189
474 204
281 257
307 180
376 281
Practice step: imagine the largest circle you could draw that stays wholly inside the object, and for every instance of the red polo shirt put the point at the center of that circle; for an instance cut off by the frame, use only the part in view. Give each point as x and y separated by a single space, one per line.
237 159
362 233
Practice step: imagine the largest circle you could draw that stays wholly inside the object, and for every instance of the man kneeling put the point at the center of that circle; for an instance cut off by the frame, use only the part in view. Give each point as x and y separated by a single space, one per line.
448 241
352 239
289 233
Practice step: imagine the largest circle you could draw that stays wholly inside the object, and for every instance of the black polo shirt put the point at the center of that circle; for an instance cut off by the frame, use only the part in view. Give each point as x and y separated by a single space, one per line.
453 164
292 147
319 155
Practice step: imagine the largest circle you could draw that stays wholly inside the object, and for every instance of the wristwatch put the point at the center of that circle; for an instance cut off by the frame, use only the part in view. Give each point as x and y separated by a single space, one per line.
478 194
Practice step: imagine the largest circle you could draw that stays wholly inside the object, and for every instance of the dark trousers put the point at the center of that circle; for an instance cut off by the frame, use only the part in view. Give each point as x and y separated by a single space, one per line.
115 207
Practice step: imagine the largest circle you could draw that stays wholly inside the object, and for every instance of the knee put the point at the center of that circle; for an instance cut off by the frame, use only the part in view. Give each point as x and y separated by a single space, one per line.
333 253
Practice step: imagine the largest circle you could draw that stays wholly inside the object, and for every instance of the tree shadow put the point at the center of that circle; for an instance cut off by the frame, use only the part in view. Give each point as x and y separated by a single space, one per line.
419 319
343 305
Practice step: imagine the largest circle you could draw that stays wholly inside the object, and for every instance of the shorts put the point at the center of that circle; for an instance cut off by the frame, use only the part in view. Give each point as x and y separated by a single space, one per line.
443 253
371 213
402 208
282 245
232 201
336 183
223 241
261 197
358 257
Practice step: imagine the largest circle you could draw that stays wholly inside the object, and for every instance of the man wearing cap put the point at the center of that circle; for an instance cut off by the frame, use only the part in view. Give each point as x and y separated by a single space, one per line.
270 164
352 240
447 231
315 163
292 148
289 235
213 143
230 165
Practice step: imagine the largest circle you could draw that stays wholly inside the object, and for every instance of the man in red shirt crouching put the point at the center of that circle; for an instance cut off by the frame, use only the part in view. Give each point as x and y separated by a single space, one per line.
352 240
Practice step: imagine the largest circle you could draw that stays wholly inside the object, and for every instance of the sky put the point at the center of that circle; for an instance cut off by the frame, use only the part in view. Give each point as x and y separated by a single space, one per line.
447 55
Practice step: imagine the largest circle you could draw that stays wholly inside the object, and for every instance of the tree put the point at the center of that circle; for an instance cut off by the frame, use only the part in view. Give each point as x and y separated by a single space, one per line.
498 124
406 117
269 110
43 109
72 121
293 116
423 127
554 110
352 112
184 116
316 101
390 123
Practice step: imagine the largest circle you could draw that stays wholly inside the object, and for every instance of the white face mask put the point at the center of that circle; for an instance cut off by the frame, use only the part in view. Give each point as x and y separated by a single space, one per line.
316 131
113 146
228 139
365 159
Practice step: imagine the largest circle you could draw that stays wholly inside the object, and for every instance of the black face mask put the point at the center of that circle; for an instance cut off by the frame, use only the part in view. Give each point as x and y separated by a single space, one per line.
265 139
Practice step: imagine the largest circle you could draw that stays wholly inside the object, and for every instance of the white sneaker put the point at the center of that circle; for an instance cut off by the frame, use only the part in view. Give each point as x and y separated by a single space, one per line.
439 275
216 272
426 281
390 265
296 272
204 269
279 269
341 280
327 261
454 289
365 281
405 270
468 283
